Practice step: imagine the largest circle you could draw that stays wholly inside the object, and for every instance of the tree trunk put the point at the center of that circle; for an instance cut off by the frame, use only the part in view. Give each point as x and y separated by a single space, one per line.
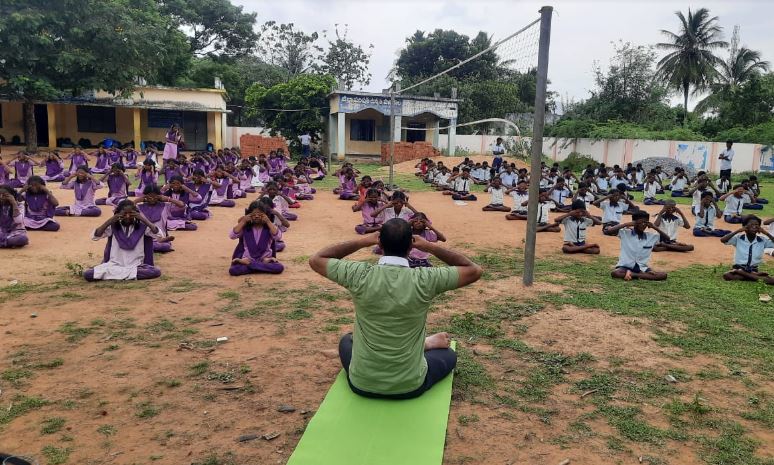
30 129
685 103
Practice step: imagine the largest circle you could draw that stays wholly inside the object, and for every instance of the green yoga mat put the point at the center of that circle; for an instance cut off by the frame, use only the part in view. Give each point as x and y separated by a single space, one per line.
352 430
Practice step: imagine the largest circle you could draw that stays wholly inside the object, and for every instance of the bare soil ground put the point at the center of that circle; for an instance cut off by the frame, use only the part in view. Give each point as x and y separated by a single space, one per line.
134 371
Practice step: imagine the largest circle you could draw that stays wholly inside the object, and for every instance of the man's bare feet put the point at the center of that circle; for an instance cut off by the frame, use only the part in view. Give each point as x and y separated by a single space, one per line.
437 341
240 261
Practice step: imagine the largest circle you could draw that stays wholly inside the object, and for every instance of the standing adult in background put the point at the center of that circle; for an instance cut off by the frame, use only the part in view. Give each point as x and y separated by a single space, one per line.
306 144
387 355
725 157
498 151
173 139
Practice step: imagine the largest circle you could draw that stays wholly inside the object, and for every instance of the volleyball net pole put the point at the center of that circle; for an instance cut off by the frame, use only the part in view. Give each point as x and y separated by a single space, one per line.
537 144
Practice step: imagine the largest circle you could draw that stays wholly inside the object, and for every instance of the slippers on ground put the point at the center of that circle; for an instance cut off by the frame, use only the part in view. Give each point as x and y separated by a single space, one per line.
765 298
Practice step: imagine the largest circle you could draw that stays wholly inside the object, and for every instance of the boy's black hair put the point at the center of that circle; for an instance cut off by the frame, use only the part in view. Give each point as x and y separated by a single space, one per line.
177 178
640 215
398 195
372 191
621 188
749 218
198 172
707 194
123 204
578 204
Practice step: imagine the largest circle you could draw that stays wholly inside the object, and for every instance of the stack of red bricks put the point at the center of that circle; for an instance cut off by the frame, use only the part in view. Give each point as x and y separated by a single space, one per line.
251 145
409 151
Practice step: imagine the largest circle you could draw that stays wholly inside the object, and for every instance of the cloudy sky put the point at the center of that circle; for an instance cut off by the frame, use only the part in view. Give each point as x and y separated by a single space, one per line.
582 33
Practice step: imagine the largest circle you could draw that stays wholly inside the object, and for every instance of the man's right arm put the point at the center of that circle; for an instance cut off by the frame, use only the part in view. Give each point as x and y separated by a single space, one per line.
468 271
319 261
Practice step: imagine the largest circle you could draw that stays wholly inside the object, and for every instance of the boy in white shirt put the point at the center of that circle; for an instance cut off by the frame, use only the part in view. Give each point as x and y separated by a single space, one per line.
670 219
650 189
636 249
560 194
441 180
679 183
706 213
723 184
732 213
750 242
460 186
497 194
575 224
520 196
613 207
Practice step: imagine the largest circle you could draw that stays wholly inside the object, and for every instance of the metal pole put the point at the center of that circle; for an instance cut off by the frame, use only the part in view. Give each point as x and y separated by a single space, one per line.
537 143
392 136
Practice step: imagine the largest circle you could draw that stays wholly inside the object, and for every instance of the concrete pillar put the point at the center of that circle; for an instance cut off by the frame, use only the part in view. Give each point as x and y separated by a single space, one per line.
218 131
436 133
398 133
51 110
331 134
136 131
341 134
452 136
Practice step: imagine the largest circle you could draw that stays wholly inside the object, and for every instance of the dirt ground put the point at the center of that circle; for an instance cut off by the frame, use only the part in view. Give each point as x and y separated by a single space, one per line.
114 376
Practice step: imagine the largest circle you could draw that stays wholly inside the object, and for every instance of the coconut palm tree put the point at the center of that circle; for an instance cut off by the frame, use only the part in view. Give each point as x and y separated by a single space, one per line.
690 62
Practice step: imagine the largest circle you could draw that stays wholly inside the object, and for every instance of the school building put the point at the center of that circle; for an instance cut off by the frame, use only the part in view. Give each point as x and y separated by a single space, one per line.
359 122
144 116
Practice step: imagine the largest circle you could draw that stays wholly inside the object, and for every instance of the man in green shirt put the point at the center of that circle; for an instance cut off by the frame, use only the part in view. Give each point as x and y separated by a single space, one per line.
388 355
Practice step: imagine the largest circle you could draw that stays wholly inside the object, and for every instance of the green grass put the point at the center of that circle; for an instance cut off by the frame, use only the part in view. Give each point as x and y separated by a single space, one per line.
56 455
74 332
20 405
54 363
199 369
762 411
15 376
147 410
470 376
52 425
107 430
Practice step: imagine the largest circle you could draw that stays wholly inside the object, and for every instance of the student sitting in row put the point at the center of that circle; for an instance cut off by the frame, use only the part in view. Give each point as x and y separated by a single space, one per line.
545 204
703 186
649 190
575 223
118 186
756 190
706 213
460 186
441 180
12 231
480 174
636 248
180 215
559 193
497 195
370 223
520 195
256 251
155 207
723 184
750 199
39 206
749 242
84 186
669 220
613 207
679 183
421 226
280 201
23 169
54 168
397 207
129 249
509 177
734 200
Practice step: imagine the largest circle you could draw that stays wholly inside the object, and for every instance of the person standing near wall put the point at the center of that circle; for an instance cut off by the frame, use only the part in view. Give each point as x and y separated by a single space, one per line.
306 144
172 140
498 151
725 158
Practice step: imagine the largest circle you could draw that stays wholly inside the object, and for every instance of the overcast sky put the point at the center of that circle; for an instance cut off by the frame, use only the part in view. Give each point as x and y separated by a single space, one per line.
582 31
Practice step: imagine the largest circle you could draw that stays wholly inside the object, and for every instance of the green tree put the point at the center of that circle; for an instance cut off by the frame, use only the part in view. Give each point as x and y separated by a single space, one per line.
690 61
307 92
52 49
216 27
289 48
345 60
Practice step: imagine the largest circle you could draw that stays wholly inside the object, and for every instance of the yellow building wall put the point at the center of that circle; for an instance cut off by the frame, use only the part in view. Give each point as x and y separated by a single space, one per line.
359 147
13 121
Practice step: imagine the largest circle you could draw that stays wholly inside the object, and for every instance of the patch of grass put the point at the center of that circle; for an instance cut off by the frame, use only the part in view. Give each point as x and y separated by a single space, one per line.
107 430
470 376
629 424
471 326
52 425
731 447
57 362
72 296
15 376
56 455
199 369
147 410
763 411
604 384
297 314
75 269
184 286
710 374
465 420
161 326
170 383
225 377
250 312
300 260
513 344
229 295
74 332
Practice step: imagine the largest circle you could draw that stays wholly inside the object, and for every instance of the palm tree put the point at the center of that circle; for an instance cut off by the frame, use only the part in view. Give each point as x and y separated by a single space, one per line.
742 64
690 61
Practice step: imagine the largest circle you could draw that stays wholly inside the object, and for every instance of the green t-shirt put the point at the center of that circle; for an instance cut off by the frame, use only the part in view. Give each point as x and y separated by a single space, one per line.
391 305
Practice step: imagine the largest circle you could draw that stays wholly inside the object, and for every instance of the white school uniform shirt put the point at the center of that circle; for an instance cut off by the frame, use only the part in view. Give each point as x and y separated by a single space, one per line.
588 198
705 219
560 195
697 196
639 176
543 209
679 184
671 224
615 181
726 164
749 253
545 183
122 264
733 206
509 180
612 213
405 214
462 185
496 195
575 231
518 199
602 184
498 149
723 185
305 139
636 249
442 179
569 182
649 190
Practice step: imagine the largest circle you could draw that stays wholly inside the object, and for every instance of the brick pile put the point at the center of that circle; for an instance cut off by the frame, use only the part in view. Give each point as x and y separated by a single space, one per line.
405 151
256 145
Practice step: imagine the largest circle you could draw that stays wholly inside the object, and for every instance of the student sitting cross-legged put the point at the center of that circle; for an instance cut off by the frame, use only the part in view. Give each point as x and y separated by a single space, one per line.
497 194
670 219
388 354
575 223
129 249
749 242
706 212
256 250
636 248
613 207
421 226
460 186
520 196
734 199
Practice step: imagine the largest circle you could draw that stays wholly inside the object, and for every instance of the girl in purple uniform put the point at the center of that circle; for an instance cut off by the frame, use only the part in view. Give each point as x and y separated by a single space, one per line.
129 250
22 167
130 158
221 195
84 186
372 203
54 168
421 226
5 173
12 232
101 162
156 207
256 250
348 186
147 175
115 156
118 186
245 175
39 206
179 216
281 202
77 159
203 186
